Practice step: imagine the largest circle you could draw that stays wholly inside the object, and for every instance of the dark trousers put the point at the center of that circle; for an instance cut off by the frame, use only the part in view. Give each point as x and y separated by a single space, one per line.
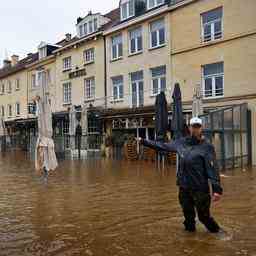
201 202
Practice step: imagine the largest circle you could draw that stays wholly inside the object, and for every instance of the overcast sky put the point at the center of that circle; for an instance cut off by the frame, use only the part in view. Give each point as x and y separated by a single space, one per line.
25 23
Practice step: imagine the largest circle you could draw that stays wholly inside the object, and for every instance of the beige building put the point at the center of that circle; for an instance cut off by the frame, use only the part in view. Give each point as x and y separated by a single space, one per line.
213 43
118 62
42 73
138 63
13 91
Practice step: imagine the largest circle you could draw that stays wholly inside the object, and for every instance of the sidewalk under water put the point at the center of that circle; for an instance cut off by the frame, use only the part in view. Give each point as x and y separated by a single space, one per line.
112 208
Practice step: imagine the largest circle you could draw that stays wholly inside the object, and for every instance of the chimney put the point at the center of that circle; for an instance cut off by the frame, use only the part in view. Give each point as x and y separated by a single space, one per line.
7 63
68 37
89 13
14 59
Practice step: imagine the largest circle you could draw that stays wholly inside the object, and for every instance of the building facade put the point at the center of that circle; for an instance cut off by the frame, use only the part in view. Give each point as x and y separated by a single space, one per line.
118 62
213 43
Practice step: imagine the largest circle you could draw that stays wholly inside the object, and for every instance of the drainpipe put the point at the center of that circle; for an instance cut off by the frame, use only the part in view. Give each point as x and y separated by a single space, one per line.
105 80
105 73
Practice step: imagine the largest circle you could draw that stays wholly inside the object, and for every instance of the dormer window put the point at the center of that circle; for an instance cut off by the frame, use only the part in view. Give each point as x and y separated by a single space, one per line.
90 24
42 52
127 9
88 27
154 3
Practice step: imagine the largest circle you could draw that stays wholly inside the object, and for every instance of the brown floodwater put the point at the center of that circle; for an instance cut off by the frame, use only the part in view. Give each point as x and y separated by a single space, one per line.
115 208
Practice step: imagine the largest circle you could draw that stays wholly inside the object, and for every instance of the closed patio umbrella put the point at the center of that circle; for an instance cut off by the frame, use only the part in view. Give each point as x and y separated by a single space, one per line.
72 121
177 113
45 157
2 127
161 120
197 107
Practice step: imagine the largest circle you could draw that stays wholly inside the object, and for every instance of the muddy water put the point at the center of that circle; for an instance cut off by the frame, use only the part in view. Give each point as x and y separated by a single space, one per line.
115 208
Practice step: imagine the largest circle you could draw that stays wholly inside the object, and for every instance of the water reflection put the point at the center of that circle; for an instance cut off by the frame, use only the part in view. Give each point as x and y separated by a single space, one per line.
114 208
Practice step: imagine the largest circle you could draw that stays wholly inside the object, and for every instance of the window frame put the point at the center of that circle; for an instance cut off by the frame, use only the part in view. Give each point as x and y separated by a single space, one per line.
213 78
212 26
9 83
17 84
42 52
17 107
129 15
2 89
2 111
67 98
9 108
92 55
118 56
92 89
158 34
137 83
136 41
67 67
155 4
158 78
117 85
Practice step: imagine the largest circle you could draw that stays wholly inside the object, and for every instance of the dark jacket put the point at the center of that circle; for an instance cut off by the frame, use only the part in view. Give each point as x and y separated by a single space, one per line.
197 163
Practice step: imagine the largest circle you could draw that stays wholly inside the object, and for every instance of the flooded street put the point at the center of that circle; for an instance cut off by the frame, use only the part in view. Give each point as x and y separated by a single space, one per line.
106 208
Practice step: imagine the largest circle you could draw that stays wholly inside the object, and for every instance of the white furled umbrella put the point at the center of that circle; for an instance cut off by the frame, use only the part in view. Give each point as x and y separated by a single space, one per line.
72 121
84 122
197 105
45 157
2 127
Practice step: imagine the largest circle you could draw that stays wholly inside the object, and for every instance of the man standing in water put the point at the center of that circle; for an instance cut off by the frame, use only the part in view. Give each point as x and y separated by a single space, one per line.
197 165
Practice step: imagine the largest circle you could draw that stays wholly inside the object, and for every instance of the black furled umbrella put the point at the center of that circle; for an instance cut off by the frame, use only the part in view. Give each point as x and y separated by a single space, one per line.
177 114
161 120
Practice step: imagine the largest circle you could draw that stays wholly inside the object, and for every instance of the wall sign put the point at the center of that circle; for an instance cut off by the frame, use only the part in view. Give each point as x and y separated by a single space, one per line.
77 73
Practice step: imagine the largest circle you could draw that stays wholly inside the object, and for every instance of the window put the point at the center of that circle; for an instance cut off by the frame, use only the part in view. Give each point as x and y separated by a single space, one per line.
17 84
154 3
9 110
95 24
213 80
137 87
67 93
2 88
33 81
81 30
9 86
66 63
17 109
48 76
118 87
117 47
42 52
157 33
89 55
212 25
136 40
158 79
127 9
2 111
32 108
90 26
89 88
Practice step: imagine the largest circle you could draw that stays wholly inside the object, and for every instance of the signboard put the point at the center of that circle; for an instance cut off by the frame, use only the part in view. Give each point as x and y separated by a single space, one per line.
77 73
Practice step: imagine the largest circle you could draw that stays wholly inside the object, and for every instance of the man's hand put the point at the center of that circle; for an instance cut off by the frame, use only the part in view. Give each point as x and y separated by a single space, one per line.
216 197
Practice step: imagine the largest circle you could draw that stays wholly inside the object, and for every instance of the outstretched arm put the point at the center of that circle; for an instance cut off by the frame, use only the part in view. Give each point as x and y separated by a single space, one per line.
213 170
167 147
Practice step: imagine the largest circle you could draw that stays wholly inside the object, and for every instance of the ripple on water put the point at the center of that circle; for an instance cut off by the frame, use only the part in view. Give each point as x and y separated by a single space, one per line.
107 208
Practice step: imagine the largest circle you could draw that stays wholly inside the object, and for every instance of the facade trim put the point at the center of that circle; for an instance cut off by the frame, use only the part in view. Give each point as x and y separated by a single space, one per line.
203 45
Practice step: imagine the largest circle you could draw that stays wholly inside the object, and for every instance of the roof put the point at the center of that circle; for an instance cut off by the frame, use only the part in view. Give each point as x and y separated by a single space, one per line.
5 71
